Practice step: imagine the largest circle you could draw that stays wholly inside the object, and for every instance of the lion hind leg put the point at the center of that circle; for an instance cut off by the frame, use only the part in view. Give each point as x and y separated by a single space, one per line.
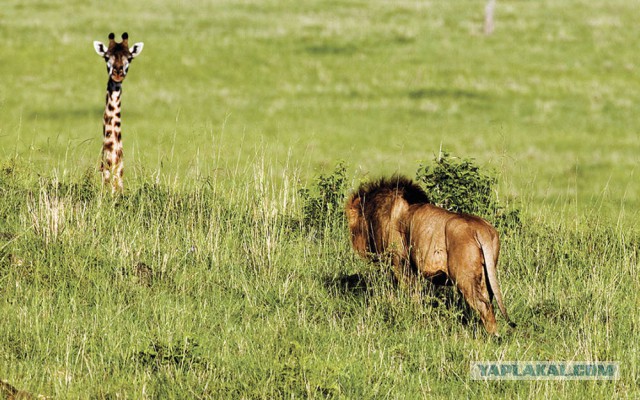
475 292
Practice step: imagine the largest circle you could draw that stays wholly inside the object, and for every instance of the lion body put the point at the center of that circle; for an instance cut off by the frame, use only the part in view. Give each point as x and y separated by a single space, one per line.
391 220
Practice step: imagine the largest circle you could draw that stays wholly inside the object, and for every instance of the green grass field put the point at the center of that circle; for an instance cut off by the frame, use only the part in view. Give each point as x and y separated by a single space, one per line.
204 281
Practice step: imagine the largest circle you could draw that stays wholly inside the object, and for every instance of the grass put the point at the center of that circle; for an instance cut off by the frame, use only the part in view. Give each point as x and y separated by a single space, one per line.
204 280
211 292
548 100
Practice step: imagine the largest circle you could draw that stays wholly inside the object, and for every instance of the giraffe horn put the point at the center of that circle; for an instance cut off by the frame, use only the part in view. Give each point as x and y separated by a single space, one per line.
125 39
112 42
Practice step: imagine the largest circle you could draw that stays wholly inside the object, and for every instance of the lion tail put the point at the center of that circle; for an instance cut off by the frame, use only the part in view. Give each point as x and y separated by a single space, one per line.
492 274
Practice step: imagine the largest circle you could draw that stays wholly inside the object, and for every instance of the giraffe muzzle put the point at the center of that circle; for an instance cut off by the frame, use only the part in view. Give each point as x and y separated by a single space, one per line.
118 74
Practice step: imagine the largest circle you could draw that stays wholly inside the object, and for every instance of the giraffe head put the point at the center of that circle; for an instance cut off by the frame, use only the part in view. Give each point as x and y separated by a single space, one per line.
118 55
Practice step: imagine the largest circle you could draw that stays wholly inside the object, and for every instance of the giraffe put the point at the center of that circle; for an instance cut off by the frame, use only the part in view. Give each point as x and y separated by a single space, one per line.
118 56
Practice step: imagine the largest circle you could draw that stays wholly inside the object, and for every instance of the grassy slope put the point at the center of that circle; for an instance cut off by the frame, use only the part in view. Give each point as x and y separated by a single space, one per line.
548 100
237 103
216 293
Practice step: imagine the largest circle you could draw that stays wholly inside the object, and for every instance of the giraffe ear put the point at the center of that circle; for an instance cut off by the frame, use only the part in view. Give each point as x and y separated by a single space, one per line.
136 49
101 49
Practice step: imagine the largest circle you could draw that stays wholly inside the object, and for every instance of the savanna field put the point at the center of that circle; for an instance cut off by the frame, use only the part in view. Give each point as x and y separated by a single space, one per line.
225 268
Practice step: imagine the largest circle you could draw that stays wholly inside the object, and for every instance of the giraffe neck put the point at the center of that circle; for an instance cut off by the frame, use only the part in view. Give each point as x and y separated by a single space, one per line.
112 163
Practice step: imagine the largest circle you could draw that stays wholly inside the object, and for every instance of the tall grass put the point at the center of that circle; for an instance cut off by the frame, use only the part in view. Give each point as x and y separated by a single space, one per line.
548 98
221 289
208 279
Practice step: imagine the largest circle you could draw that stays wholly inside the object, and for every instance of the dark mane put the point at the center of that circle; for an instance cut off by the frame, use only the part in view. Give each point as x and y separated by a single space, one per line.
405 187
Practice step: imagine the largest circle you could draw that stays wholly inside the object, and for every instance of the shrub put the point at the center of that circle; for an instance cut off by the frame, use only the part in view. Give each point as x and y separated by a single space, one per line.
323 207
459 185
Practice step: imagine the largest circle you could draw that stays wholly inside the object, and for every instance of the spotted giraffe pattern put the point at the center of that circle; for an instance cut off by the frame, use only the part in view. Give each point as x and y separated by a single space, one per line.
118 56
112 165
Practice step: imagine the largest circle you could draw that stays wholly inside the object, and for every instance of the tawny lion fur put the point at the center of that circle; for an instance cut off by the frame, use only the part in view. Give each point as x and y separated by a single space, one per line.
391 219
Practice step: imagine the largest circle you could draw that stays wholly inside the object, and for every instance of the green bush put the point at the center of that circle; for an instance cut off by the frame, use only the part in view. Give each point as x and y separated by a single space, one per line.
459 185
323 207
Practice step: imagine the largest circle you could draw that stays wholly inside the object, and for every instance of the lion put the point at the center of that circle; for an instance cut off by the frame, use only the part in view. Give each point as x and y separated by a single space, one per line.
391 220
